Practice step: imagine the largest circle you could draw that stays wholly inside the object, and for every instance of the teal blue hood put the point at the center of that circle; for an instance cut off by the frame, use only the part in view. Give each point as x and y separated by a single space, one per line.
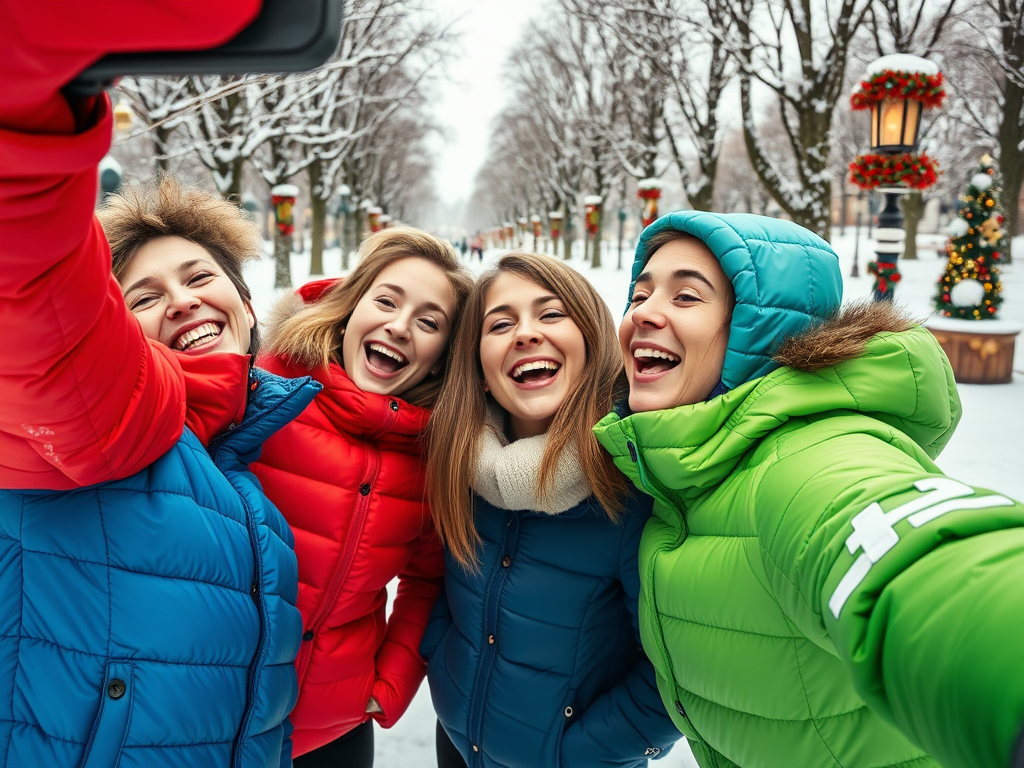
785 279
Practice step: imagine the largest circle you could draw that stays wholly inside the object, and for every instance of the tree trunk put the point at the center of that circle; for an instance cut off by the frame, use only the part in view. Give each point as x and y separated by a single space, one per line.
282 260
318 213
568 233
912 206
1011 160
161 139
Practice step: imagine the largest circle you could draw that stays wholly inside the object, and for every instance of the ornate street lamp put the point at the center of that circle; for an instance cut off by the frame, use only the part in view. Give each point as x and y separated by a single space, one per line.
896 88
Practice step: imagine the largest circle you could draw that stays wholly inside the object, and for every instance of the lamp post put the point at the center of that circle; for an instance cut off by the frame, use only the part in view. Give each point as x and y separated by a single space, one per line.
535 224
555 217
896 89
283 198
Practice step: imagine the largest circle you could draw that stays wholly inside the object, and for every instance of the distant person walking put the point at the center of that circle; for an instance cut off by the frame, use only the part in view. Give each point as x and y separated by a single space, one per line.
478 246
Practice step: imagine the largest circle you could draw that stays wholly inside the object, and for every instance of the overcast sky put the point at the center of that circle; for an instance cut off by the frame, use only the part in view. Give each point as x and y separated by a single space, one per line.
469 102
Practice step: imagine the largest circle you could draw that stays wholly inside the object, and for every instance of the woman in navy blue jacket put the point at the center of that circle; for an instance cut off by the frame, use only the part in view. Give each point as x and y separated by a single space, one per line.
534 658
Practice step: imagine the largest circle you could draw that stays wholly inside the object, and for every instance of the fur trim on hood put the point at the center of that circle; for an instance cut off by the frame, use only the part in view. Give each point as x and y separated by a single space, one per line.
842 336
291 302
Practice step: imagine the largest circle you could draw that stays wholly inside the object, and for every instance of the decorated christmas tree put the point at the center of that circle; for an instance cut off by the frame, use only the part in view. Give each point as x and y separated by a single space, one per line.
970 288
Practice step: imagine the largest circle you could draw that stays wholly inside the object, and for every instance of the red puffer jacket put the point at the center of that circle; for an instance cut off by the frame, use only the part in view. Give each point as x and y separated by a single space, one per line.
348 476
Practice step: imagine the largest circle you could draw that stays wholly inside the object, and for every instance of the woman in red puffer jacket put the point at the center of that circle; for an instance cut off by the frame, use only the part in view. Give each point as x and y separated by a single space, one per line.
348 476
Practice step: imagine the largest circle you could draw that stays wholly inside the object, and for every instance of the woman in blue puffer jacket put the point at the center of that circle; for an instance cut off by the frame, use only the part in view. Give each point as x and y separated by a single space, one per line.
533 653
147 586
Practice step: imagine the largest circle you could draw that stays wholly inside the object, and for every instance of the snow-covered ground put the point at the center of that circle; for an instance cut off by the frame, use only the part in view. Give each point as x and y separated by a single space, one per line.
986 450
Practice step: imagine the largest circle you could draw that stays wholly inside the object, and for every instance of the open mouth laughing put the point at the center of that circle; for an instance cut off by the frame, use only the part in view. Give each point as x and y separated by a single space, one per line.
534 372
648 361
382 360
198 337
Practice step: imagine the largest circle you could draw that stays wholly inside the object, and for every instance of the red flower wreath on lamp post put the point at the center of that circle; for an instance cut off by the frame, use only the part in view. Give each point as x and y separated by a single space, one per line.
897 89
649 191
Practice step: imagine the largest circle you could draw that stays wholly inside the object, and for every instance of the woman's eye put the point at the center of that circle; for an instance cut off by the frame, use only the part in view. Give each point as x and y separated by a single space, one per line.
199 277
430 323
384 301
500 325
142 302
552 314
688 297
637 298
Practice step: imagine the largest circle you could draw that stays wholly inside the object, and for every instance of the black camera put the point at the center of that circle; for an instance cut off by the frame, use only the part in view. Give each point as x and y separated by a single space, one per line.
286 36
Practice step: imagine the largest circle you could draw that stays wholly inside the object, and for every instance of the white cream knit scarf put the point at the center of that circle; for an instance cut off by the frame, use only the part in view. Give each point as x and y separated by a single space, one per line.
508 474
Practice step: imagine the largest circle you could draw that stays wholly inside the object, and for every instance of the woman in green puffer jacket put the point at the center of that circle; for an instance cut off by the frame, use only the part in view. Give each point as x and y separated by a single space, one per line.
815 591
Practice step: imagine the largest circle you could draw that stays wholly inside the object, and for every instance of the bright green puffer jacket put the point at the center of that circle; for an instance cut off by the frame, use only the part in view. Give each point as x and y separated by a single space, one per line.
802 550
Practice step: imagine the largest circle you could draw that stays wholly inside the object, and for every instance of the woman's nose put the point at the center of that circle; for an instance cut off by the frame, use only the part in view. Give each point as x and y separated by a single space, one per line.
649 314
181 301
528 335
398 327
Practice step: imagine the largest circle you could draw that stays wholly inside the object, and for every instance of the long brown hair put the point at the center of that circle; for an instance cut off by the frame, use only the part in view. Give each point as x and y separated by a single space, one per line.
312 336
453 443
166 209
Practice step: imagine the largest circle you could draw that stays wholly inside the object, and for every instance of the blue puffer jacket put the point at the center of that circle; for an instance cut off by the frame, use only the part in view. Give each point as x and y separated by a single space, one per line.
150 621
535 661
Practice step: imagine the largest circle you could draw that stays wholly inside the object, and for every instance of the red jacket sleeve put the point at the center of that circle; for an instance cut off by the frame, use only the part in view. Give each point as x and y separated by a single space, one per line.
84 397
400 668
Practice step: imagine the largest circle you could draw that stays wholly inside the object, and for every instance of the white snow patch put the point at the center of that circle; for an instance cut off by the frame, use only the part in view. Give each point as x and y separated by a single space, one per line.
981 181
901 62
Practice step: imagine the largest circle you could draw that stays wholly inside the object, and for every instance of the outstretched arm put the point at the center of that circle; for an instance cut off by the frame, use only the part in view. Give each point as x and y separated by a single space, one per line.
83 396
914 579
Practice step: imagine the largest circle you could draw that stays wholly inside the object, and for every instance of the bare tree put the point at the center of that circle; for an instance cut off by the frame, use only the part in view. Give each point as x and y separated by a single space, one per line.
798 50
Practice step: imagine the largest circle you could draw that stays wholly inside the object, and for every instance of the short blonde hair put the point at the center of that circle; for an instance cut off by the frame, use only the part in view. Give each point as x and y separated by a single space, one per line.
142 213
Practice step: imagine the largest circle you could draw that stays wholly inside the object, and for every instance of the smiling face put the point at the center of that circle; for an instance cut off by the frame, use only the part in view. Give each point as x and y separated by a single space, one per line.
674 336
399 328
184 300
531 352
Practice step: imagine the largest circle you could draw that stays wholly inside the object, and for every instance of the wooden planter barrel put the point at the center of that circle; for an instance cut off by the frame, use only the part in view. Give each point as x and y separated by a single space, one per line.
980 351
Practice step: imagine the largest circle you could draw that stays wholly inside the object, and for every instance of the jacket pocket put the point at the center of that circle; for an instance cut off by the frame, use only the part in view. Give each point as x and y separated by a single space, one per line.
111 725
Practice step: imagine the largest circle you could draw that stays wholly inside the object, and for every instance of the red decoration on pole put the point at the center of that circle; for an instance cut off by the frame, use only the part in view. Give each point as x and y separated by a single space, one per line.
592 208
649 190
914 171
373 218
283 198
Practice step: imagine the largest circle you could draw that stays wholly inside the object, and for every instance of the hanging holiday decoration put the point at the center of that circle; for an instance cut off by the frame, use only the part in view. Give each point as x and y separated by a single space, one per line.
888 84
970 289
896 89
283 197
885 272
373 215
592 214
555 217
649 190
914 171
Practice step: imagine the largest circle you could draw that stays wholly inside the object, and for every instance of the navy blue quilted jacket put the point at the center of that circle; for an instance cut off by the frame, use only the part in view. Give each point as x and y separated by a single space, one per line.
150 621
535 662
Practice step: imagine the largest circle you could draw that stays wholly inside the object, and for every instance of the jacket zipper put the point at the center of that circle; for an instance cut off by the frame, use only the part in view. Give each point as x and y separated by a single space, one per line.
261 646
489 651
352 539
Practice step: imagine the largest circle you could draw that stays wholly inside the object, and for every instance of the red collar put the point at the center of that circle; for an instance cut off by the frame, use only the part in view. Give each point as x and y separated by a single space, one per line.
216 391
365 415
